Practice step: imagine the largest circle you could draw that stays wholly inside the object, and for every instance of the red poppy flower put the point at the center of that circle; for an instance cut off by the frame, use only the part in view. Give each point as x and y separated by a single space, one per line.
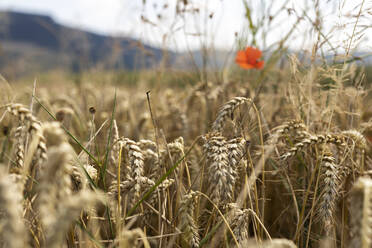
249 58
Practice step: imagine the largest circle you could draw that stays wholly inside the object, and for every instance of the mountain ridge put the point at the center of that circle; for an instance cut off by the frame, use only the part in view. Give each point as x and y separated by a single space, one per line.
84 49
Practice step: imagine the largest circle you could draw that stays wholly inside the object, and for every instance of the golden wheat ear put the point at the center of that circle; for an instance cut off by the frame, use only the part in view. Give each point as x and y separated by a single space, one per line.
12 228
29 126
227 111
329 186
221 174
361 212
239 221
293 129
274 243
187 221
136 163
57 204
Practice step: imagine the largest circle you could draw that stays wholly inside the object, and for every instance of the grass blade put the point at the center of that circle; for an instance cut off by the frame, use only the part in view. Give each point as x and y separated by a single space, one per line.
68 133
104 168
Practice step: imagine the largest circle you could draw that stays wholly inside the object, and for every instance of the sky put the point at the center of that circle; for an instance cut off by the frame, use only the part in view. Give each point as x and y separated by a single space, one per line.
213 23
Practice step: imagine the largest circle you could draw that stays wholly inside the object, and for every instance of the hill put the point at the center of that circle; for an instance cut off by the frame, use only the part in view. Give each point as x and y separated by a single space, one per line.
29 41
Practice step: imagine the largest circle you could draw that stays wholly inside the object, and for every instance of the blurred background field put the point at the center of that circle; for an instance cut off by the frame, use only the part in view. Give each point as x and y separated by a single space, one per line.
44 36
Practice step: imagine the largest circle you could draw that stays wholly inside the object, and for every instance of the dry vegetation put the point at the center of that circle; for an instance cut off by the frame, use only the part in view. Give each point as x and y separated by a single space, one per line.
214 164
273 158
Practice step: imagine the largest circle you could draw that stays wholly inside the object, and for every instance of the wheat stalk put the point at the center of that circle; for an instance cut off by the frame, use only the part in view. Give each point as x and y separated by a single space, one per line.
114 153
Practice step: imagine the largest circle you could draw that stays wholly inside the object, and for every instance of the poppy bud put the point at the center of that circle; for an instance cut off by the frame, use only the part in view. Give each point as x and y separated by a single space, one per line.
92 110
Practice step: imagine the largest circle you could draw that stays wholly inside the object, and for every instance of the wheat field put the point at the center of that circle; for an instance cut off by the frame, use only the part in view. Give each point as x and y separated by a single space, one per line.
214 164
278 156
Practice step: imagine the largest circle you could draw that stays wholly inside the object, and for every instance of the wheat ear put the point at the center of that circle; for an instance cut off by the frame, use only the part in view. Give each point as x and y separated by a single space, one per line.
79 176
330 185
187 223
151 161
57 206
293 128
314 140
173 153
235 149
274 243
358 146
226 111
239 222
136 162
221 174
12 230
290 126
20 146
33 125
357 138
147 144
125 187
361 214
